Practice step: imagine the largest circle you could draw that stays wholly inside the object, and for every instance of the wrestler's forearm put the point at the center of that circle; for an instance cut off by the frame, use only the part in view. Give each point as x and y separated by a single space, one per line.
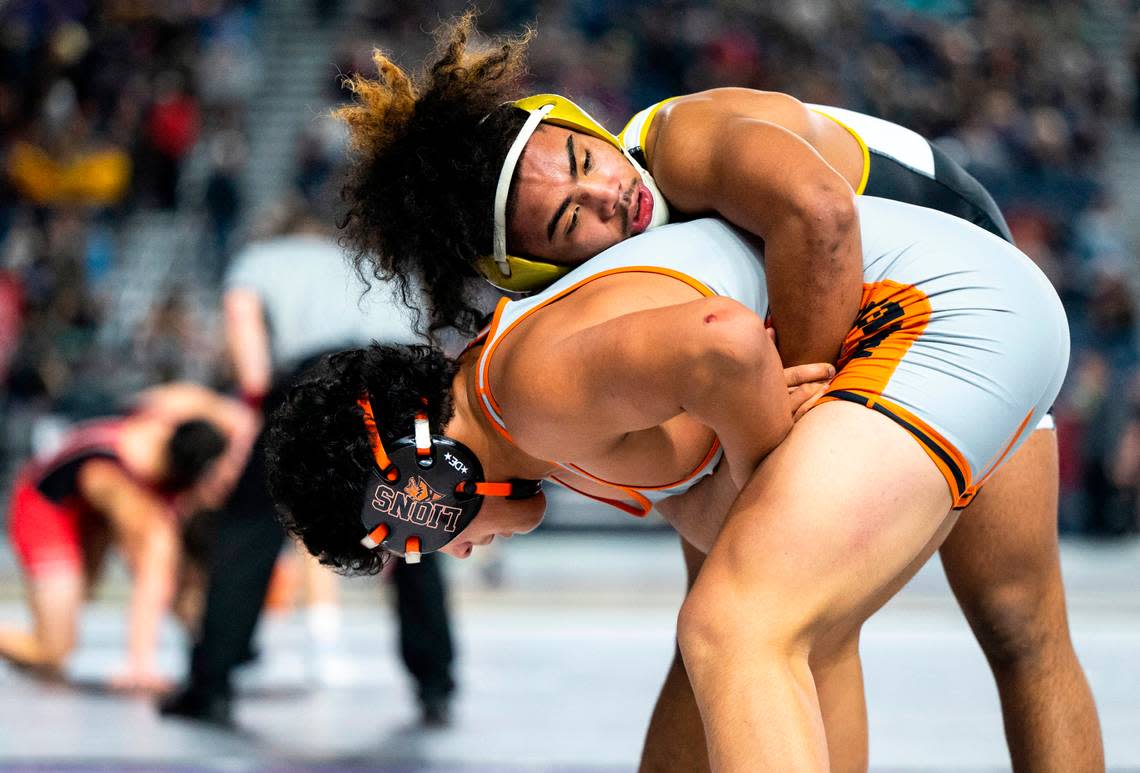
814 268
744 400
155 564
241 428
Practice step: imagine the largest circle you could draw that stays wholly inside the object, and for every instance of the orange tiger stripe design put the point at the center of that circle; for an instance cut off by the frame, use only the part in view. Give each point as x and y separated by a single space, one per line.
892 316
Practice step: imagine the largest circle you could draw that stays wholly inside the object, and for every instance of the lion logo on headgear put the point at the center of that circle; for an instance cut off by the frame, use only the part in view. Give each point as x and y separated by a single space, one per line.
419 490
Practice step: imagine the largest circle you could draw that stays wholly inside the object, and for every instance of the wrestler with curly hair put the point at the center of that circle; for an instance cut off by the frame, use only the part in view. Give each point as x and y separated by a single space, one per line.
429 153
437 192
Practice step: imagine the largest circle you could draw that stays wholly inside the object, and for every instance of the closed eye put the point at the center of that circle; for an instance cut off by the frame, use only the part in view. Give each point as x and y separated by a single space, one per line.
573 221
587 163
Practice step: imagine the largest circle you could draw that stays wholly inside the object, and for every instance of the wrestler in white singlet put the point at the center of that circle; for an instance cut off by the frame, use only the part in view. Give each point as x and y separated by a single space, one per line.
960 338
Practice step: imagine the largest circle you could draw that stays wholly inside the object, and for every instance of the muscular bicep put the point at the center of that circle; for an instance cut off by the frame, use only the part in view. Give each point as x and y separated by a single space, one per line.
596 385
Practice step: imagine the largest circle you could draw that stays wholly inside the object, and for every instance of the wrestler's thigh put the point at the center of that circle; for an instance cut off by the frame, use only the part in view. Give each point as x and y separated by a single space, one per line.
838 676
1003 555
831 524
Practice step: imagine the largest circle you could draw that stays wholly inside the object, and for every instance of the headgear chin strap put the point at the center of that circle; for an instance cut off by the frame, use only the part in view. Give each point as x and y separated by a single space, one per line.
516 274
427 491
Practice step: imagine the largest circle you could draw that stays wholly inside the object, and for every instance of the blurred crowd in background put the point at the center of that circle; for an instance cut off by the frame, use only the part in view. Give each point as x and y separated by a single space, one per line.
114 114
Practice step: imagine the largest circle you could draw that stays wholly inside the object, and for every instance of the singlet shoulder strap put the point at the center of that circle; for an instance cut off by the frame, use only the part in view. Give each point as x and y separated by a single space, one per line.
883 138
490 338
633 135
862 186
640 509
99 436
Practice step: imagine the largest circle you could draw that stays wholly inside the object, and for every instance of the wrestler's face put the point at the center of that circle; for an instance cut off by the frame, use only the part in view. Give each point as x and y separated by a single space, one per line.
498 517
575 195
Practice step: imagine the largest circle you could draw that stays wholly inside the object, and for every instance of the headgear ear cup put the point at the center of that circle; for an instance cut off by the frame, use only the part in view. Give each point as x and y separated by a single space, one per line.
426 489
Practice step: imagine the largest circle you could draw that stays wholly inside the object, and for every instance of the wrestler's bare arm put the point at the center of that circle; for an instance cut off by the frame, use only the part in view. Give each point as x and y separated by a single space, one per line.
699 513
145 529
709 156
184 401
580 397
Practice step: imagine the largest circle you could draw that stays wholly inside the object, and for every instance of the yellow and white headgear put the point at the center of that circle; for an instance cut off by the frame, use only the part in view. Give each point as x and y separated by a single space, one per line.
517 274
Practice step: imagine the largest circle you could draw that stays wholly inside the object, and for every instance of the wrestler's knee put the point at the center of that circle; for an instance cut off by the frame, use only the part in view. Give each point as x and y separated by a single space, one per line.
711 627
704 628
1016 624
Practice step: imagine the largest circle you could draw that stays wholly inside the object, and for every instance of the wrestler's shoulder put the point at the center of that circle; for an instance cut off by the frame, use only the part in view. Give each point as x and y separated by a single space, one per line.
726 101
688 128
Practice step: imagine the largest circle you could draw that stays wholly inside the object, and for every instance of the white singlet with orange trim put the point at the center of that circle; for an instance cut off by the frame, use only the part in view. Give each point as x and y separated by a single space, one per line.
960 339
680 253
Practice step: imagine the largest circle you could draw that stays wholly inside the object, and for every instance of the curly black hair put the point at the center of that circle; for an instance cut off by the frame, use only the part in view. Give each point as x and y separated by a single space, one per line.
427 156
318 456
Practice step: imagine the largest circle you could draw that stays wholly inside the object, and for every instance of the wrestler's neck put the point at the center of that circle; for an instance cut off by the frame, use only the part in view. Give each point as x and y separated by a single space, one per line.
500 458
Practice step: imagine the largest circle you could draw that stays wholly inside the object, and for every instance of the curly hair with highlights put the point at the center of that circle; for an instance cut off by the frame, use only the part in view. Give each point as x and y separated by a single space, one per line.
318 457
426 158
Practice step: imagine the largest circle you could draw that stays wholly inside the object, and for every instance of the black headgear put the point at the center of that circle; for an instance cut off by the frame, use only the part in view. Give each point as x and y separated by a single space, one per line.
423 494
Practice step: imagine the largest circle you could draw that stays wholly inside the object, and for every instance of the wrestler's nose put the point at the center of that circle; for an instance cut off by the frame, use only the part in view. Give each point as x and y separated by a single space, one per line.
602 196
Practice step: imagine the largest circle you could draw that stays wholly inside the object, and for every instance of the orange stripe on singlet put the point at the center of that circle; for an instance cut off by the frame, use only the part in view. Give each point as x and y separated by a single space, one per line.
483 385
696 471
946 457
640 510
892 316
484 392
1009 446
